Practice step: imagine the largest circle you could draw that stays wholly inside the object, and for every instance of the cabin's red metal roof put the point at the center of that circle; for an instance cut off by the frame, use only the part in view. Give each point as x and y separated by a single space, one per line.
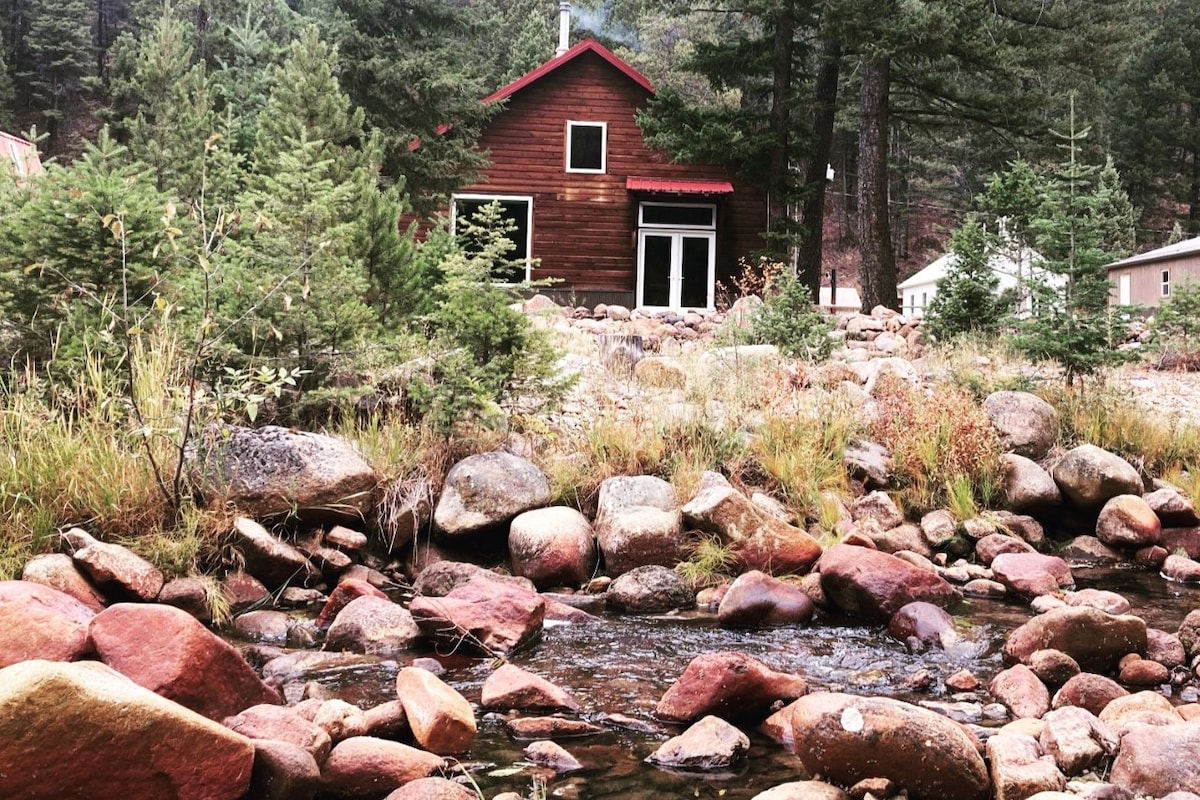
678 186
586 46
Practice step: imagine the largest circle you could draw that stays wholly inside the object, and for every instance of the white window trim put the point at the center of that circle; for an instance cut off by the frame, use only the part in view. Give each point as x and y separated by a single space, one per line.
1164 287
502 198
643 224
603 126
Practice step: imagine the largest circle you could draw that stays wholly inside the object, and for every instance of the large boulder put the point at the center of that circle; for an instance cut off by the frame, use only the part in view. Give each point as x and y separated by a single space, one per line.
489 616
39 622
1090 476
84 730
432 789
1018 768
1095 639
273 471
440 718
641 536
1021 691
373 625
512 687
58 571
710 744
1027 424
1157 760
119 572
167 651
1077 739
649 590
366 768
802 790
1026 487
922 625
1173 508
638 523
626 492
1128 521
552 547
443 577
1089 691
878 507
760 541
283 771
873 586
757 600
1032 574
846 739
486 490
270 559
730 685
282 724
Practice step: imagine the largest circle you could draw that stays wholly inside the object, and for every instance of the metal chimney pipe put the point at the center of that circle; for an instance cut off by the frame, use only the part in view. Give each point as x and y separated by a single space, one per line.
564 28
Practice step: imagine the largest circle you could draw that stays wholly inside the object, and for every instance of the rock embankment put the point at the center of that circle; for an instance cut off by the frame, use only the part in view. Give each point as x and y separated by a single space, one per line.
93 637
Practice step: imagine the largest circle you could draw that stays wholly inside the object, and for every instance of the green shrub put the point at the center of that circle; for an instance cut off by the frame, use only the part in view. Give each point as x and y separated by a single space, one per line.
485 352
789 320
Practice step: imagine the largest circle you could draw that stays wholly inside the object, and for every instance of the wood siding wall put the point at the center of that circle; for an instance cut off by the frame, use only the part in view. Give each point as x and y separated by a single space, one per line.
585 225
1145 280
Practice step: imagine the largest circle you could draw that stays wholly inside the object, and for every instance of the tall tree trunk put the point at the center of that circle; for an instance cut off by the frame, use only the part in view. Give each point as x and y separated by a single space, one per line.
813 217
781 87
877 273
1194 195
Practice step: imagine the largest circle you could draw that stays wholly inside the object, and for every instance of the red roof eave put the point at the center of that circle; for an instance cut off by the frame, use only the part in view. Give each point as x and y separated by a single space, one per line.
677 186
586 46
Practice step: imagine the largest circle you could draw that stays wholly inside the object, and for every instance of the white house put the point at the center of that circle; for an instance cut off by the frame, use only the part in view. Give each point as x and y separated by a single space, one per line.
1014 268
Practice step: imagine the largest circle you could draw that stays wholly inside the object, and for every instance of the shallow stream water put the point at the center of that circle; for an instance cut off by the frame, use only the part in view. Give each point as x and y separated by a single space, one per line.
624 664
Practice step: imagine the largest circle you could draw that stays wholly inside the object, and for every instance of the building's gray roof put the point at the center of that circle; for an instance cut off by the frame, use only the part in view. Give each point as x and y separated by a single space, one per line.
1187 247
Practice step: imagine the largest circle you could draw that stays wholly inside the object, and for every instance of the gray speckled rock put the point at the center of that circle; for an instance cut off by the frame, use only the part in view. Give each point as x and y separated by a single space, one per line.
274 471
486 490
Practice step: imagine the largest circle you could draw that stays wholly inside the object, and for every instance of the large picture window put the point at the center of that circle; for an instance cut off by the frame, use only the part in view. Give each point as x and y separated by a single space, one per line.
516 213
587 146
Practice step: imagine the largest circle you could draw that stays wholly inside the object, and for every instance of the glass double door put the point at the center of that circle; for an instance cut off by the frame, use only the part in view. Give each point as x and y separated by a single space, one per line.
676 269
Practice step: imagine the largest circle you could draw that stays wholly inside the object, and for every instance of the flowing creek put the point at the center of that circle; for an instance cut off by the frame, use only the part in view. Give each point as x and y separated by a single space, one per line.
623 664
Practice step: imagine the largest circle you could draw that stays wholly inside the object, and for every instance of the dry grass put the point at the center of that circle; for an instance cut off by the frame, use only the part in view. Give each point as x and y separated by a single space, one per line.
942 443
1156 444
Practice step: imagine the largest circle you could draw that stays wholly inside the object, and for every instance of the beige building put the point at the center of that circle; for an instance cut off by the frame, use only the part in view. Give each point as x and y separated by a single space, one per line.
1148 280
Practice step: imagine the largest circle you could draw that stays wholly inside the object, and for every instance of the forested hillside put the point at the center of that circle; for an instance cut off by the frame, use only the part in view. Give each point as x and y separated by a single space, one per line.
914 103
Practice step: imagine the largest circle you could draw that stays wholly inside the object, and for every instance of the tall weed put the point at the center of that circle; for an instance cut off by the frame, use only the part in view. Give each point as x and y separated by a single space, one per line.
1156 443
943 445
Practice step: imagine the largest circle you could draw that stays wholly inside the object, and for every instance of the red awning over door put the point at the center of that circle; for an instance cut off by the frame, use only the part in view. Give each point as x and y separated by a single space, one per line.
677 186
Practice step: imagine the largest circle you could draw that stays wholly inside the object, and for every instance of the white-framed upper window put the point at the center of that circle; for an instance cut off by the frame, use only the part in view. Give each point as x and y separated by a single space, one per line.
700 216
516 212
1165 283
587 146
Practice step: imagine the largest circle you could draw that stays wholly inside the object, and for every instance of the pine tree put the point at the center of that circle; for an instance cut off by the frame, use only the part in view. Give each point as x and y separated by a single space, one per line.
81 250
8 95
176 117
56 59
243 76
307 101
305 197
410 65
968 298
1073 227
1008 205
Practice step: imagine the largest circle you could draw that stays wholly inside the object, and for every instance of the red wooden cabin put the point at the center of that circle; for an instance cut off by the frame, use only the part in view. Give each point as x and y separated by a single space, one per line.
614 221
